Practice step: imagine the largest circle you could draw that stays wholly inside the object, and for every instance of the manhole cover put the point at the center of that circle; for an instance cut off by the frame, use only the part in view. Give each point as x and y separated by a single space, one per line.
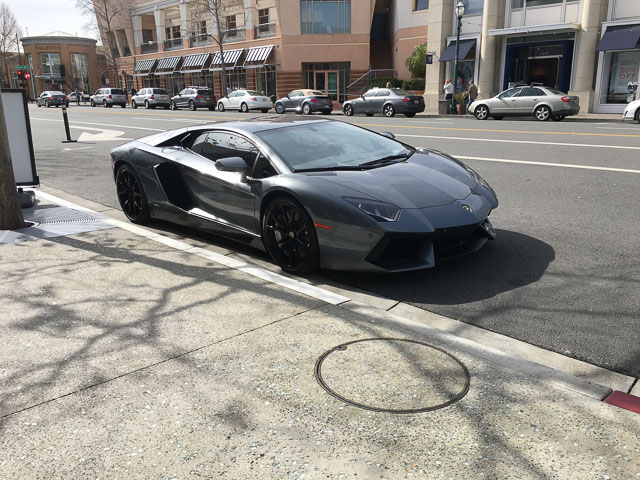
392 375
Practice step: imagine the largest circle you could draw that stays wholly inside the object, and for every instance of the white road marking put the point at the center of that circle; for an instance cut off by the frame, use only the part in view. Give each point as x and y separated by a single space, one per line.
194 122
65 149
548 164
471 139
618 128
251 269
102 124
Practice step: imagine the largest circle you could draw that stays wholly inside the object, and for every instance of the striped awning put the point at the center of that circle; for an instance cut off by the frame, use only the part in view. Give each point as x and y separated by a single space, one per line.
257 56
231 58
195 63
167 65
144 65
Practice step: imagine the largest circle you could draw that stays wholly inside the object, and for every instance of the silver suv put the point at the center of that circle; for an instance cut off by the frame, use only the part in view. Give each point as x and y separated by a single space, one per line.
108 97
151 98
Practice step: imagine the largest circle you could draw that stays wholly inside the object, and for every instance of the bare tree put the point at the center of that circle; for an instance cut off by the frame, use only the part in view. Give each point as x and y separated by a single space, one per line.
217 11
106 17
9 33
10 212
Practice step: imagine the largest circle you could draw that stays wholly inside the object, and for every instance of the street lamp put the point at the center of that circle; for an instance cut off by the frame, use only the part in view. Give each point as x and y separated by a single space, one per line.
459 14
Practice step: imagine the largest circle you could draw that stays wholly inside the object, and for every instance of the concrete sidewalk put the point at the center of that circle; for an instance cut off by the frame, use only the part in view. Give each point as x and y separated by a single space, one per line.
129 356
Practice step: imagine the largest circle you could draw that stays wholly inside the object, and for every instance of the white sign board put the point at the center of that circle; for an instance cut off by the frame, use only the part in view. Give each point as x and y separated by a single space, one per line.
16 118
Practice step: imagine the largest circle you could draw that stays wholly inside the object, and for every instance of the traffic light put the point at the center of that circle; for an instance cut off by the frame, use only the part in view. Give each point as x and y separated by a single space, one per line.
19 73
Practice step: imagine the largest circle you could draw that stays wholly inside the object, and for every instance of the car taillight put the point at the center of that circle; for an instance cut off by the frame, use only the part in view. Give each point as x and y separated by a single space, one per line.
314 100
406 100
198 97
253 99
50 98
153 97
110 96
566 99
66 98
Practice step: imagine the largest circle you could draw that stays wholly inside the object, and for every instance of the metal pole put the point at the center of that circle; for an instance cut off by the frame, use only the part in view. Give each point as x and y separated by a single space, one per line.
453 110
66 125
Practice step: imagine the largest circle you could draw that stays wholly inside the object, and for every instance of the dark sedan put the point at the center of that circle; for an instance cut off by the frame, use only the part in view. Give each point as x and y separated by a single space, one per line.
52 98
194 98
305 101
311 192
387 101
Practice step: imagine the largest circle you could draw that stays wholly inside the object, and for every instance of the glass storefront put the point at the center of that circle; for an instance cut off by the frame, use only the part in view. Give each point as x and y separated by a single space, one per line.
330 78
151 81
619 76
236 77
266 80
80 71
175 84
202 80
466 70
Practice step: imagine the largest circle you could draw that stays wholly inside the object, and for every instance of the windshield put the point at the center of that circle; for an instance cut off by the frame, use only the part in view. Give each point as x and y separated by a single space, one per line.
159 91
117 91
557 92
399 91
331 145
254 93
204 92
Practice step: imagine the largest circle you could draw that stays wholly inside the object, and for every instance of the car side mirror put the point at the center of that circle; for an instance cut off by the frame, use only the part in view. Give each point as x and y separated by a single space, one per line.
233 164
389 135
288 96
362 96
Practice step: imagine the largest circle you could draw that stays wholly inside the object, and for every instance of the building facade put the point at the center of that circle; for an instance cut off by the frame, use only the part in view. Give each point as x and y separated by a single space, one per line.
60 61
588 48
274 46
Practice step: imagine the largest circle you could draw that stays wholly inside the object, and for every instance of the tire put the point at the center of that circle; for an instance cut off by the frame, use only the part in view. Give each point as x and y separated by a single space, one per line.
38 104
134 105
93 104
172 105
131 195
166 107
211 109
244 108
326 112
265 110
279 108
369 114
388 110
220 107
558 119
124 105
410 114
306 109
192 106
638 115
146 104
104 104
481 112
497 117
348 110
289 236
46 104
542 113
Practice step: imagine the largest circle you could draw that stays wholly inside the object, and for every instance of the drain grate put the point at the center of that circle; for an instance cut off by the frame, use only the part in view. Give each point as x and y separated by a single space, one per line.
392 375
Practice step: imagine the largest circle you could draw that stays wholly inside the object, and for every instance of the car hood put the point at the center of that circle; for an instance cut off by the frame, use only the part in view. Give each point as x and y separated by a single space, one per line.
426 179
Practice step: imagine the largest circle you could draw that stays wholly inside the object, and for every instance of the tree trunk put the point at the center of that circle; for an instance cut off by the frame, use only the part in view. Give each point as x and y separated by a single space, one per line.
10 212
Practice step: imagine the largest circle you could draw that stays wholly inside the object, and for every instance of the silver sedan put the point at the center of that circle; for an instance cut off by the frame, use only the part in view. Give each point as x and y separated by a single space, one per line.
540 102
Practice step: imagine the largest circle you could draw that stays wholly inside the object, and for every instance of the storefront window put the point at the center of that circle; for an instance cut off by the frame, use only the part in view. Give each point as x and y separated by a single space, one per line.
175 83
50 64
472 7
151 81
322 16
202 80
330 78
620 76
236 78
80 71
266 80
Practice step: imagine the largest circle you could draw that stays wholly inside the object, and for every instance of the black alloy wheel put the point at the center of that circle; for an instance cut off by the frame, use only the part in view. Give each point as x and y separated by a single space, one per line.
348 110
388 110
289 236
130 195
481 112
542 113
172 105
220 107
244 108
306 109
134 105
192 105
279 108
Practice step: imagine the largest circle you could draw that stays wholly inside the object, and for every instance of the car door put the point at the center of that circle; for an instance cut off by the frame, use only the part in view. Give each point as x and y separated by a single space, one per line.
528 99
223 197
365 103
505 103
382 95
292 99
182 99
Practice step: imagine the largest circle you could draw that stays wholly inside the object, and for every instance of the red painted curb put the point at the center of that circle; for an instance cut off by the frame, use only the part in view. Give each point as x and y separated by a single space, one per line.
624 400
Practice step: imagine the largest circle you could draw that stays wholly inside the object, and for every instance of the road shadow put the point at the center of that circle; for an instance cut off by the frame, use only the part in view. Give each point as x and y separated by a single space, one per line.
512 261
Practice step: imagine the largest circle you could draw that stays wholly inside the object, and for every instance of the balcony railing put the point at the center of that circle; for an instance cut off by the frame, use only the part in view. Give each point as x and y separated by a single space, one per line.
234 35
199 40
173 44
149 47
264 30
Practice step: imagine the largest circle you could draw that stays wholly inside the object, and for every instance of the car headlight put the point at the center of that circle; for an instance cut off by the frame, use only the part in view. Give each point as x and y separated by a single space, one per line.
380 211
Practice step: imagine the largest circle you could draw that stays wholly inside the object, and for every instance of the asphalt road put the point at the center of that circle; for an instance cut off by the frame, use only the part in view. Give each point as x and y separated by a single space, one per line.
564 272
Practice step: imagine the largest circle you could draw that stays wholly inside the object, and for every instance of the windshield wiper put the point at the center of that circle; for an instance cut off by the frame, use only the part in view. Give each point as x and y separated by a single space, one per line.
387 159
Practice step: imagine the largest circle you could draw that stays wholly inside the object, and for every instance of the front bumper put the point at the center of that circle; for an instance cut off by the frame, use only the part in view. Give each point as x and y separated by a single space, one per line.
629 114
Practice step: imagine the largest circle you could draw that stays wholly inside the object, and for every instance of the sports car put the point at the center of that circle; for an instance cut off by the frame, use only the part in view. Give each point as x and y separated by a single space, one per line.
311 192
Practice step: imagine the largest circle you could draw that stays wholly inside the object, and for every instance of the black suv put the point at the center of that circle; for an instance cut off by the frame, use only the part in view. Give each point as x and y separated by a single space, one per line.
194 98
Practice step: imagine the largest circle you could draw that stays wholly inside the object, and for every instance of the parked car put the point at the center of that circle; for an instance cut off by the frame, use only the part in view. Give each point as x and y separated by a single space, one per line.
311 193
108 97
632 111
194 98
387 101
245 100
52 98
73 98
151 98
540 102
305 101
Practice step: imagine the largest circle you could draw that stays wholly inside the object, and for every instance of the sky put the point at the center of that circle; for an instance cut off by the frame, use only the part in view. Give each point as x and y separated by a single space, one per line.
37 17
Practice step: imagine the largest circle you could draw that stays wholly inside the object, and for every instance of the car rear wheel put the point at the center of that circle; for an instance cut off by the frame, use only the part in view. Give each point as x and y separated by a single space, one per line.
497 117
326 112
388 110
192 105
172 105
369 114
542 113
558 119
481 112
306 109
244 108
279 108
146 104
221 107
410 114
348 110
134 105
265 110
130 195
211 109
289 236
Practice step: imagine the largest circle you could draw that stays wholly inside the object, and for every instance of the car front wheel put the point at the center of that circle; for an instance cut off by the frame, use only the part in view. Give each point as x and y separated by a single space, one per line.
172 105
93 104
130 195
542 113
279 108
289 236
221 107
134 105
348 110
481 112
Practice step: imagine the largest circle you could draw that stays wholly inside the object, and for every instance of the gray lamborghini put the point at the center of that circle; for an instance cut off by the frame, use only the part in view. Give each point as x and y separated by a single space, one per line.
310 192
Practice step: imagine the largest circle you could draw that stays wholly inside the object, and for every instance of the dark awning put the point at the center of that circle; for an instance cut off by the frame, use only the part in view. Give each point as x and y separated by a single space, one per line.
195 63
231 57
144 67
167 65
620 37
449 55
257 56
